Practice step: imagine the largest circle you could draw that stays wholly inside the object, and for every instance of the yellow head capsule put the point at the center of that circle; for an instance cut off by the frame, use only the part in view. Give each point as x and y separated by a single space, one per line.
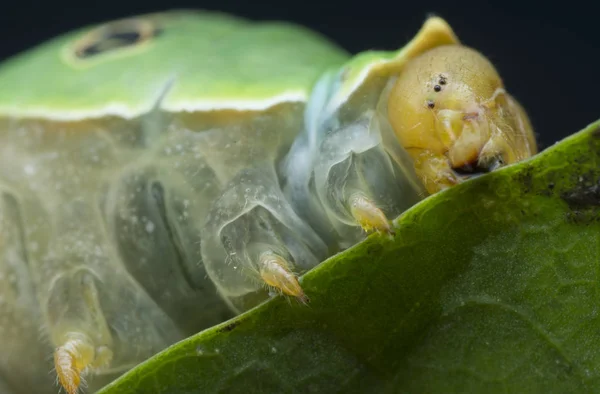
450 111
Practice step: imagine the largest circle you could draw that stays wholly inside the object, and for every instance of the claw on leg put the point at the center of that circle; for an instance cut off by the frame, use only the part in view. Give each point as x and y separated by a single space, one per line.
275 271
368 215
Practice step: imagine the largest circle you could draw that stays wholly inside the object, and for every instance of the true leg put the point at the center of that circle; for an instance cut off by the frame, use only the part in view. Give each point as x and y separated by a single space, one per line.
253 238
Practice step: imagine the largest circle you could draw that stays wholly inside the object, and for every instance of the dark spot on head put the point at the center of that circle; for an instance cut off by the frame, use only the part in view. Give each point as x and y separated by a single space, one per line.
442 80
430 104
437 88
115 35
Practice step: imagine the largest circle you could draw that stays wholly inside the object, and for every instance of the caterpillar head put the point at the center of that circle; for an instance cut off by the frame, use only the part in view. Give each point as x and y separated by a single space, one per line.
450 104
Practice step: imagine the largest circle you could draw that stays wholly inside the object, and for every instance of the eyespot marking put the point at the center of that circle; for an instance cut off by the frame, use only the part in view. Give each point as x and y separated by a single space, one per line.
430 104
437 88
116 35
443 80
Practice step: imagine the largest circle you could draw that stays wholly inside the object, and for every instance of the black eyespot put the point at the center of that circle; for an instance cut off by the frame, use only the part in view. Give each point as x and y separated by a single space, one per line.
430 104
437 88
114 35
443 80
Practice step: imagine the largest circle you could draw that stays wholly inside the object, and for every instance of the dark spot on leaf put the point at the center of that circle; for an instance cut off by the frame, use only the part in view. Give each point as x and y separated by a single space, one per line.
583 217
525 178
229 327
549 190
584 199
585 195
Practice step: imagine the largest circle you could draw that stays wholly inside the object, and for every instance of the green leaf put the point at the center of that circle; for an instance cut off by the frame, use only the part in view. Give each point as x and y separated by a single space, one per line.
491 286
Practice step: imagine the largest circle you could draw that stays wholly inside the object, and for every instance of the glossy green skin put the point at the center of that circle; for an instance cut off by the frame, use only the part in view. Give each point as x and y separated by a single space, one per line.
205 60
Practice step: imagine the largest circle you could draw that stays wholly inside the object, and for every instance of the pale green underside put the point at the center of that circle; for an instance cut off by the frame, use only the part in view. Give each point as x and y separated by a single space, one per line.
202 61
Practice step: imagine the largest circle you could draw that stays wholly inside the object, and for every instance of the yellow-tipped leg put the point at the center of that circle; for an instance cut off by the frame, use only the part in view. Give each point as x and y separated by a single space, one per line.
71 359
75 357
368 215
275 271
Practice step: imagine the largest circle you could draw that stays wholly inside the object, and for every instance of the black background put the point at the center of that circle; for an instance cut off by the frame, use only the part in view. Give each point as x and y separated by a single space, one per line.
547 52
